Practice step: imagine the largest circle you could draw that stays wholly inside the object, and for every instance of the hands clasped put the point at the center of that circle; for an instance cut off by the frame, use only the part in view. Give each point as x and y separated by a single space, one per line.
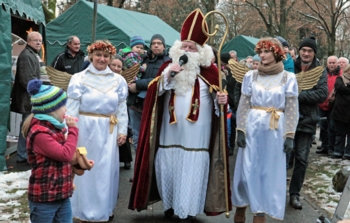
221 98
121 140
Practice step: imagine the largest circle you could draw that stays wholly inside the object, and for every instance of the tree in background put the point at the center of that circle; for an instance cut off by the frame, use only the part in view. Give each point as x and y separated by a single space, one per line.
294 20
49 7
273 13
328 15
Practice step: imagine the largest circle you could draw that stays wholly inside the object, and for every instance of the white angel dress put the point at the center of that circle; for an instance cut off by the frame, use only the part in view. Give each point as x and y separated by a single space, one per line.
267 113
98 99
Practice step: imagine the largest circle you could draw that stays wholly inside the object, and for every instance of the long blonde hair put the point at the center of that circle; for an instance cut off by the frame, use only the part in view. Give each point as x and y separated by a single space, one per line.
26 125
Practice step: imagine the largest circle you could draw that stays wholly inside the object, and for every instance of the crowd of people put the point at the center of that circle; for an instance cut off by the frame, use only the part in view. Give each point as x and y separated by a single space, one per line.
171 112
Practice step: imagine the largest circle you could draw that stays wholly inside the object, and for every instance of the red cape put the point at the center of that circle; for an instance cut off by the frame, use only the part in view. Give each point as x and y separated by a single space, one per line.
144 188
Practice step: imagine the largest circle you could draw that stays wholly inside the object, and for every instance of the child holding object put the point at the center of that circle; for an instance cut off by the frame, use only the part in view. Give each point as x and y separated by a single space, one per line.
49 154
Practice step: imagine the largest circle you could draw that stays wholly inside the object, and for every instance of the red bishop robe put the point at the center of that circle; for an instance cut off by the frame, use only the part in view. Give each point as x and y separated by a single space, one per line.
144 188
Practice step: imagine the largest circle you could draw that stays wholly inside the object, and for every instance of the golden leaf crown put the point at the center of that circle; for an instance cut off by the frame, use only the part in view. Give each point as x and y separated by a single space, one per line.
268 45
101 45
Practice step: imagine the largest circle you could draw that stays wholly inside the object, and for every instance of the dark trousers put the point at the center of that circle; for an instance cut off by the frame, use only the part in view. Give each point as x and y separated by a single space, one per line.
302 142
339 145
343 132
233 131
327 131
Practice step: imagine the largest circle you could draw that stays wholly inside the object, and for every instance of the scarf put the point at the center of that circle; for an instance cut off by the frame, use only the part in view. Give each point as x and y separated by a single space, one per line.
346 78
271 69
52 120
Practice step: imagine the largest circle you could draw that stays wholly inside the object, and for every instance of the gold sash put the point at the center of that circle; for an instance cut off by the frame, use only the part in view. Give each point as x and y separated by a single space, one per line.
274 116
112 119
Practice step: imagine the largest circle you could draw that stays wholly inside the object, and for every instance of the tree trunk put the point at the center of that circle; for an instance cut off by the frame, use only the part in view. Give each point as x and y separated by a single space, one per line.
331 43
283 18
121 4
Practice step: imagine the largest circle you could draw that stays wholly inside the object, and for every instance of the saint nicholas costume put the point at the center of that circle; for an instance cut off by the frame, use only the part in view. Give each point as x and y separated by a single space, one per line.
179 157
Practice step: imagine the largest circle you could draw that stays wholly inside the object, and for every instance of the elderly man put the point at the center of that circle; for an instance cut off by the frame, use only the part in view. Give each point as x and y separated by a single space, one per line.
28 68
328 132
137 90
340 150
72 59
179 130
233 54
342 62
311 94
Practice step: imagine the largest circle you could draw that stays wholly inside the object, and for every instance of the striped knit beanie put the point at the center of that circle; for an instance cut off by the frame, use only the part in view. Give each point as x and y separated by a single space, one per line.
45 98
136 40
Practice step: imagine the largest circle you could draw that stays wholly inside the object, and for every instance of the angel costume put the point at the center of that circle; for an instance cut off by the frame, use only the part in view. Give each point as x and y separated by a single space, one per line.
98 99
267 112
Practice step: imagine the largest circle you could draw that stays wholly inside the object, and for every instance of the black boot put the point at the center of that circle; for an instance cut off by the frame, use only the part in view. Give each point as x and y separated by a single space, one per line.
322 150
169 213
230 151
127 165
189 219
295 203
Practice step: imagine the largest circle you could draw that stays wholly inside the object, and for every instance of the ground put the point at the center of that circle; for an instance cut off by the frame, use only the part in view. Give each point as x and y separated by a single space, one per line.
317 189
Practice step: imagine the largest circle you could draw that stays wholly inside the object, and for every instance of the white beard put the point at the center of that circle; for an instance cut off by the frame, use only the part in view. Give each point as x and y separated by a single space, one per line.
186 78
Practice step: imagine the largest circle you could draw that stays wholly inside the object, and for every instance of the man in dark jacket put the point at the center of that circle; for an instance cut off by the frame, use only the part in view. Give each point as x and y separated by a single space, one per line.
137 90
28 68
72 59
308 109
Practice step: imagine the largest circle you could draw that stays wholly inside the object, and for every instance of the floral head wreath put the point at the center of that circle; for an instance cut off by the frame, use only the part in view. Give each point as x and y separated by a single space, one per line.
278 52
104 46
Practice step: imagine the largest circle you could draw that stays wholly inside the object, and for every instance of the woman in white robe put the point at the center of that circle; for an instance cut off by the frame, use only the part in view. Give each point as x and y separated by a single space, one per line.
267 117
97 96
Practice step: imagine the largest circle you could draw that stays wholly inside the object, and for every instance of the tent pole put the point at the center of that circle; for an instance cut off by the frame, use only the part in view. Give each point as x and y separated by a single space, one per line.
94 20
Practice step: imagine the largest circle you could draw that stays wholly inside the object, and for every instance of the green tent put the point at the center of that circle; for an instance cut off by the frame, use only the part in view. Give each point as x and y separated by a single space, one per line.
16 16
243 45
116 25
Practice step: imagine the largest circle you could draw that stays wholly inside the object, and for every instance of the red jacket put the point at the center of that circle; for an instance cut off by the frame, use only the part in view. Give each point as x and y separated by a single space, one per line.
49 154
331 77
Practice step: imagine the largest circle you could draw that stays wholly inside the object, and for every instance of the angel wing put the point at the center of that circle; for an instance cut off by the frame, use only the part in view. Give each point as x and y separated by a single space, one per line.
237 70
129 74
58 78
308 79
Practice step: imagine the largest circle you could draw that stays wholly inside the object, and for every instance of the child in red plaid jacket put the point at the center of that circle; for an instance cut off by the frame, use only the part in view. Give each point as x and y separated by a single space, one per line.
50 151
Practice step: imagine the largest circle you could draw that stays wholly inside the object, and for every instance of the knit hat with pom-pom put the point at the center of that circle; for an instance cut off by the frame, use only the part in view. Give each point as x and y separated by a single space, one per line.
45 98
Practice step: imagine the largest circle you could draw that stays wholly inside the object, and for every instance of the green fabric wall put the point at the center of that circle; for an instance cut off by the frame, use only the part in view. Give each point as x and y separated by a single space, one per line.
5 80
27 9
115 24
243 45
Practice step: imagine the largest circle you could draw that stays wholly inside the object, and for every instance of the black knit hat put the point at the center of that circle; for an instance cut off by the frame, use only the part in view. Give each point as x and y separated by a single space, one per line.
158 36
309 42
225 57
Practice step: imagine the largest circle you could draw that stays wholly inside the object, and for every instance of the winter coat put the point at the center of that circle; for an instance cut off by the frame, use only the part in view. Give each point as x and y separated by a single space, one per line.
331 77
309 100
28 68
153 65
341 106
231 84
288 63
67 63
